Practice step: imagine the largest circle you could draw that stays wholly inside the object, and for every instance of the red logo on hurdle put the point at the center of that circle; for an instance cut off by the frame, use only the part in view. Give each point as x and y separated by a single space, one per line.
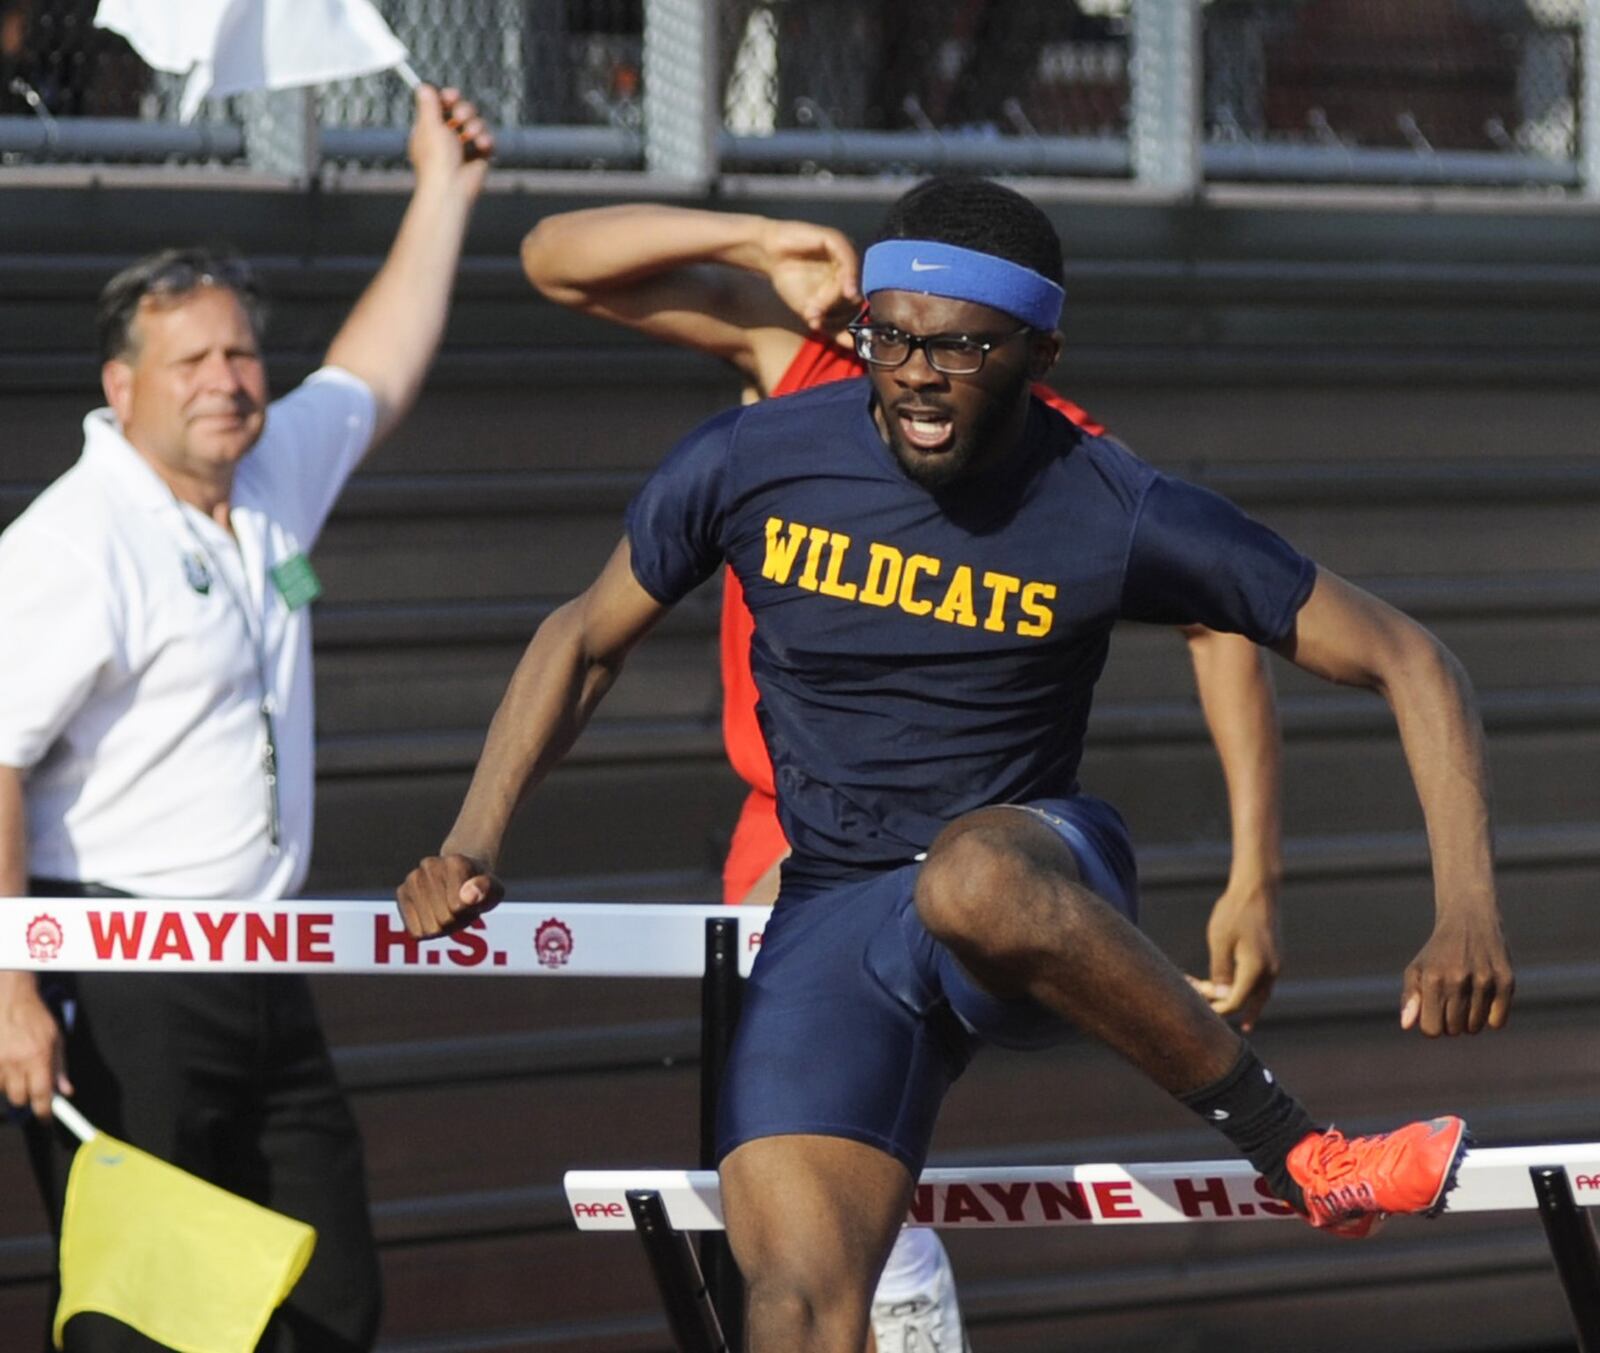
552 944
44 938
599 1210
1586 1181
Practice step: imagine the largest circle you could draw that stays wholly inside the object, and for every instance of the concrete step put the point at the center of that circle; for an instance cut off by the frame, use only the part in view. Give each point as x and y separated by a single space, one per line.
1466 519
445 664
1501 307
1343 769
608 808
384 795
1363 905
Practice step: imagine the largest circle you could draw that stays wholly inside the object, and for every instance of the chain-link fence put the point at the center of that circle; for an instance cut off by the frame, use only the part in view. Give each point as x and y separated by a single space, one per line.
1428 76
1486 91
54 61
968 81
525 62
990 69
71 91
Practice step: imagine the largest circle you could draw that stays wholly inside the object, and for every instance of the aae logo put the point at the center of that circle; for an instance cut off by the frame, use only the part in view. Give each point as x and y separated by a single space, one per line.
552 944
1586 1181
44 938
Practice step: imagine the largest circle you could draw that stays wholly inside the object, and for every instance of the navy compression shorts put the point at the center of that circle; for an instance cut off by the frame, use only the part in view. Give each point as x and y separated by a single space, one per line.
856 1021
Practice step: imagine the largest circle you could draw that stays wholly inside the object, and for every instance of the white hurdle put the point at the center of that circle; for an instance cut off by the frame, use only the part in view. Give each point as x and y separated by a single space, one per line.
312 935
1493 1179
663 1206
717 944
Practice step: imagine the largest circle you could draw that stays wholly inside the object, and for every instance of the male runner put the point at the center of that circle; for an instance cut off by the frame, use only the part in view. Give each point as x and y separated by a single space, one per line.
772 298
934 563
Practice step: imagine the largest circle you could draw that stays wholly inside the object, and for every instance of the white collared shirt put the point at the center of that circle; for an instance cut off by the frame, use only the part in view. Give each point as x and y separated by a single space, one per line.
130 689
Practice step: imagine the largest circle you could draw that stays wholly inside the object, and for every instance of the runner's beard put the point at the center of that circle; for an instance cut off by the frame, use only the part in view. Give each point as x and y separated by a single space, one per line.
972 444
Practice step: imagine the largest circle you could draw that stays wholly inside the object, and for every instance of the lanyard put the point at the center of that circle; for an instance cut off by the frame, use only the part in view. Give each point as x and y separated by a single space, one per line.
255 629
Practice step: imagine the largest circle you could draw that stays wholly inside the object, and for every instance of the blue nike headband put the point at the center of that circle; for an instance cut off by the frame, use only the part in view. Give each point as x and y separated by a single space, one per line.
935 269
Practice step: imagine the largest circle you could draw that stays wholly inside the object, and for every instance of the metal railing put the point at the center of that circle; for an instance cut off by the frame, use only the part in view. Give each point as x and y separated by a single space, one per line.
1164 94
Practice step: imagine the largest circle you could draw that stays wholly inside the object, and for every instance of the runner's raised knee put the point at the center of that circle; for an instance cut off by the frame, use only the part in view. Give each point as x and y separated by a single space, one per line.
973 867
994 885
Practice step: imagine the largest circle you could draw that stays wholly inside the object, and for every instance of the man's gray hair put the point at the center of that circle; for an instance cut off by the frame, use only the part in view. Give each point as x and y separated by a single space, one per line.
171 274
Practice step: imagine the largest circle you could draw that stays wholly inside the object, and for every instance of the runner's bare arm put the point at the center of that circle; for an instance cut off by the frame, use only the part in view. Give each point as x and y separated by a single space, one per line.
739 287
30 1042
1240 709
565 672
1461 979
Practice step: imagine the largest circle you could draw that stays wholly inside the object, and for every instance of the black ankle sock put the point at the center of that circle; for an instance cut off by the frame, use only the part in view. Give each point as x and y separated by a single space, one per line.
1262 1119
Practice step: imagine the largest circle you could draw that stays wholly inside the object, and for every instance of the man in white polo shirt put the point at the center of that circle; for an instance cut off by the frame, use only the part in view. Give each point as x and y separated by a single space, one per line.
156 720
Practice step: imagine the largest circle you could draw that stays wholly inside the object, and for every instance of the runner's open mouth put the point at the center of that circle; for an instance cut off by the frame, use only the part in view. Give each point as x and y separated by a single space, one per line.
926 429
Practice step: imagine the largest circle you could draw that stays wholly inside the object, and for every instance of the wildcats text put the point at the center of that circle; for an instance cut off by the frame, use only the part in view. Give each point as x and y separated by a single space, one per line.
875 574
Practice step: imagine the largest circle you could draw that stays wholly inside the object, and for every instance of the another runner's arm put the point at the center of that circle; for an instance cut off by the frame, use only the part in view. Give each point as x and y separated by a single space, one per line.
1196 557
394 330
565 672
1241 712
739 287
30 1042
1462 979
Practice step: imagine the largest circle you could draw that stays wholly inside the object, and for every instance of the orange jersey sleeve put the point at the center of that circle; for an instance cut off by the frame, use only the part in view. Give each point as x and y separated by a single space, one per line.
817 363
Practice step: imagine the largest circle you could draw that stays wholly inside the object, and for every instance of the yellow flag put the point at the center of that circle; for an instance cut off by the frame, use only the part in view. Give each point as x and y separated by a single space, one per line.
189 1265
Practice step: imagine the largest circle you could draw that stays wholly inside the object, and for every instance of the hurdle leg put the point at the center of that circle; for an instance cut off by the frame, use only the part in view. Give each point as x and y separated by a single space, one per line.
690 1315
1573 1246
720 994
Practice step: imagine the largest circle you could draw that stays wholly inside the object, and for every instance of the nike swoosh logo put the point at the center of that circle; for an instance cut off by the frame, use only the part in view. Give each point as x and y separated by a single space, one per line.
917 265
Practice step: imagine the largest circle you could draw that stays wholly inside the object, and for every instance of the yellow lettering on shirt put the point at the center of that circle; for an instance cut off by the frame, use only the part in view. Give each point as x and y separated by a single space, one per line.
1034 596
781 553
816 539
882 586
833 567
910 603
838 548
956 608
1002 586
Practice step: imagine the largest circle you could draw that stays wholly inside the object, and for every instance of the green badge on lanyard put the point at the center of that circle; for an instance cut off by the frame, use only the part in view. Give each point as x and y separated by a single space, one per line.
296 581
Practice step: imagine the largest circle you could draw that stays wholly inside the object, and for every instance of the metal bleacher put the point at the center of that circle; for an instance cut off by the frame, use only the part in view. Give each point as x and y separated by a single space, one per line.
1410 395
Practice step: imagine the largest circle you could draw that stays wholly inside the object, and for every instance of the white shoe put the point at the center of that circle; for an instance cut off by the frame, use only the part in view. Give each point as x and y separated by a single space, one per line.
926 1321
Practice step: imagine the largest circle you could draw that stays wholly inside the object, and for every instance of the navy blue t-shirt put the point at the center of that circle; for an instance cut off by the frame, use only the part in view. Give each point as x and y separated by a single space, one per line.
920 655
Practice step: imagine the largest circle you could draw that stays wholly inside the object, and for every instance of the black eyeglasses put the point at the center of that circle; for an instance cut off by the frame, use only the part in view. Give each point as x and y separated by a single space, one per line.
882 345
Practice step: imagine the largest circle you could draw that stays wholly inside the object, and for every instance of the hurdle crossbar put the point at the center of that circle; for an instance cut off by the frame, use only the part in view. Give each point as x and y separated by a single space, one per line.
1557 1180
516 939
1494 1179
